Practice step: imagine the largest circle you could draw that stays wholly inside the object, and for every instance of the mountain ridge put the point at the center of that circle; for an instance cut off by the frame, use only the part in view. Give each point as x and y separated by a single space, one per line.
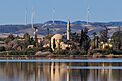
58 27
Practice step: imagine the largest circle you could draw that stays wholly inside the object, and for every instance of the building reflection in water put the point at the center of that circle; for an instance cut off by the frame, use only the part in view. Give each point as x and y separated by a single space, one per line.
58 72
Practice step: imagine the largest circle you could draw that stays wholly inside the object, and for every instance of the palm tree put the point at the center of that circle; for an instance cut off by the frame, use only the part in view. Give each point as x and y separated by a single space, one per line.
94 34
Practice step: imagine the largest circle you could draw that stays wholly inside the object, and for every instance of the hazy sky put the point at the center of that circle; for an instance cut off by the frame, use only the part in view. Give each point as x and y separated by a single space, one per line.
13 11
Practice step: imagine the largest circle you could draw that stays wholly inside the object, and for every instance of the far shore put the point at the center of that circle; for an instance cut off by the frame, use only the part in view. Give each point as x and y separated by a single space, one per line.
62 56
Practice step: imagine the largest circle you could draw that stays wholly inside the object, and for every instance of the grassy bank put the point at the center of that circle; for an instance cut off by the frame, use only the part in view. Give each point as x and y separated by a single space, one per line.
32 54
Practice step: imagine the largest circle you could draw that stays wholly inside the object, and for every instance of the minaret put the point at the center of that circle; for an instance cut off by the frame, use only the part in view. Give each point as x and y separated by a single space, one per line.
35 35
68 30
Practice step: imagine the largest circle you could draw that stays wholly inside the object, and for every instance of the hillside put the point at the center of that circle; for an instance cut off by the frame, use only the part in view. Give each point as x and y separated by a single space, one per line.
60 27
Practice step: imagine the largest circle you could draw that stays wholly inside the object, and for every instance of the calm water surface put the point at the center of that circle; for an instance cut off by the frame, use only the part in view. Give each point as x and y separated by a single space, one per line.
61 70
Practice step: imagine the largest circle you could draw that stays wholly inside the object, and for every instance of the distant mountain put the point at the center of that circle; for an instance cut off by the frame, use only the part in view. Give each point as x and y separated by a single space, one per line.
55 22
116 23
59 27
12 28
79 22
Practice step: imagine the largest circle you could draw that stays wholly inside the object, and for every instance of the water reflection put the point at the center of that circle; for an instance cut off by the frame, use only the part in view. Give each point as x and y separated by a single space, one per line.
59 72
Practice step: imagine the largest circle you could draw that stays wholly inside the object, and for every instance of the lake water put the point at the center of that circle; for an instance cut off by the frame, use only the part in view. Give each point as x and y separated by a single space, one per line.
61 70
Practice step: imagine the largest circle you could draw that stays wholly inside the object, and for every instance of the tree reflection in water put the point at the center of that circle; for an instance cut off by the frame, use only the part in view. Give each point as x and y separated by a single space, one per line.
58 72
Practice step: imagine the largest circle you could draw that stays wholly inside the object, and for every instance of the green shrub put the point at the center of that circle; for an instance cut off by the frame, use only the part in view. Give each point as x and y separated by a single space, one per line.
74 52
101 51
2 48
60 52
117 52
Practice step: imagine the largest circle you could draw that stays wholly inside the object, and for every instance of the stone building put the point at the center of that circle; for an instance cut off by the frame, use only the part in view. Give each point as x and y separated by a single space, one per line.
57 42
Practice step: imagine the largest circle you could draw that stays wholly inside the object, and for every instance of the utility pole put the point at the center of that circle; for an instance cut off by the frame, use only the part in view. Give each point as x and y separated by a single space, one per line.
26 16
33 27
88 11
32 18
53 15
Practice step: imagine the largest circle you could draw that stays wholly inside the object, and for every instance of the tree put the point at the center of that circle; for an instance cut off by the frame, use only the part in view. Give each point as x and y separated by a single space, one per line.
75 37
95 40
28 40
32 42
14 44
117 40
9 38
104 35
2 48
84 41
26 36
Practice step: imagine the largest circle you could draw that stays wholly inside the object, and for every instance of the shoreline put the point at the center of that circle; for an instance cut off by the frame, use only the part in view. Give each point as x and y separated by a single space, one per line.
62 56
10 54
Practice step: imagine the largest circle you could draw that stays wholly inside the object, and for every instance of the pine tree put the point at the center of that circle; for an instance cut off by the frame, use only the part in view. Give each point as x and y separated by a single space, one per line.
84 41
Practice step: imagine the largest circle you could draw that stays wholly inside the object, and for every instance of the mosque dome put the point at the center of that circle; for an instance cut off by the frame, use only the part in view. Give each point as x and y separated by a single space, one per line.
57 37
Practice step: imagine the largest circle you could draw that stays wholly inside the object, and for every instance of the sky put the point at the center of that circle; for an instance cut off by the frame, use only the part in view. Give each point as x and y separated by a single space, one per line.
13 11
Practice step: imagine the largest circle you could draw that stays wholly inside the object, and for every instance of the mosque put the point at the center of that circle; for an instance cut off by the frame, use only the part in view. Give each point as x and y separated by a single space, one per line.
57 40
